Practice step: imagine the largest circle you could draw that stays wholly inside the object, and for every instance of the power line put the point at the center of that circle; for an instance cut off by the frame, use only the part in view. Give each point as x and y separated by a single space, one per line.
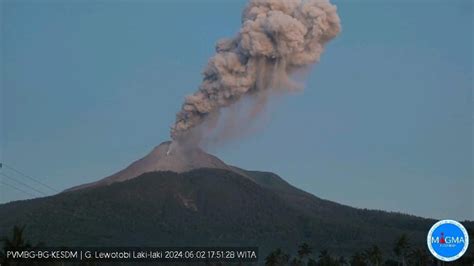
64 211
14 187
47 203
27 176
24 184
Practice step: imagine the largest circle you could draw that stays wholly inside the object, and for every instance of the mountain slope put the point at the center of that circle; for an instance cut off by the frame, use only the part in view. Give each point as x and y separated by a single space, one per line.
164 157
177 196
161 208
206 207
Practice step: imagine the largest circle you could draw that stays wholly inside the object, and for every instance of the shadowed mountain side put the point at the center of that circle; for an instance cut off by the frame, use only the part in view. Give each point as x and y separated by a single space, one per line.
206 207
313 205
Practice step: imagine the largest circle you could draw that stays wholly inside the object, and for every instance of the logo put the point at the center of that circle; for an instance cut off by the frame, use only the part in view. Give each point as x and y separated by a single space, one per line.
447 240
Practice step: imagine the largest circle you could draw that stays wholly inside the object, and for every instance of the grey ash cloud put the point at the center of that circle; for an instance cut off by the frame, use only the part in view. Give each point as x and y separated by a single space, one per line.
277 38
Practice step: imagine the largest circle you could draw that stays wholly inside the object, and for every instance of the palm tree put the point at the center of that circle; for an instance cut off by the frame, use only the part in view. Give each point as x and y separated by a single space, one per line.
419 257
16 242
358 259
401 248
296 262
312 262
277 258
304 250
271 259
374 255
325 259
342 261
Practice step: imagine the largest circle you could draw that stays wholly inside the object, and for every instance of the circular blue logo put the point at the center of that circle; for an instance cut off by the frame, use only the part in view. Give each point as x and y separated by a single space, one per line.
447 240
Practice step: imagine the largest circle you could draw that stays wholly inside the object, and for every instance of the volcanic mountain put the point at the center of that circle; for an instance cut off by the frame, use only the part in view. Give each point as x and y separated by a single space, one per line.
182 197
164 157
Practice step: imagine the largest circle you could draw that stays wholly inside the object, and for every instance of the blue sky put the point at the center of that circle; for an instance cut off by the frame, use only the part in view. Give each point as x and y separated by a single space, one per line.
385 121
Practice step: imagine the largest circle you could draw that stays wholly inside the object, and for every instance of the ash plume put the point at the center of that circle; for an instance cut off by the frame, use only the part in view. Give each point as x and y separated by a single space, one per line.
277 38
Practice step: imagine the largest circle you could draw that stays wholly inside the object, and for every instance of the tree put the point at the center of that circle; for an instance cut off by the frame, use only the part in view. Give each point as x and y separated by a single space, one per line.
326 260
271 259
401 248
374 255
342 261
296 262
304 250
312 262
16 242
358 259
277 258
418 257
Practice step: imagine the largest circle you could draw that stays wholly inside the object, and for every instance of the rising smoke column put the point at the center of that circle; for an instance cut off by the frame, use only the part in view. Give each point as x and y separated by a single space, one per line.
277 37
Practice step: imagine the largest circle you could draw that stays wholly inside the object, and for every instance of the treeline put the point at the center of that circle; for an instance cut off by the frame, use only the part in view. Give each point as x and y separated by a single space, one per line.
403 254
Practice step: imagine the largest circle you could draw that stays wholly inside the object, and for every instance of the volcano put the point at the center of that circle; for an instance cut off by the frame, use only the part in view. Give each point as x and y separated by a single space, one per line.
164 157
188 197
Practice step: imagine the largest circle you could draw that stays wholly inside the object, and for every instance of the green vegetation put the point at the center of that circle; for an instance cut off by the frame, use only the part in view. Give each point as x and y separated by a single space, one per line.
211 207
16 241
372 256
